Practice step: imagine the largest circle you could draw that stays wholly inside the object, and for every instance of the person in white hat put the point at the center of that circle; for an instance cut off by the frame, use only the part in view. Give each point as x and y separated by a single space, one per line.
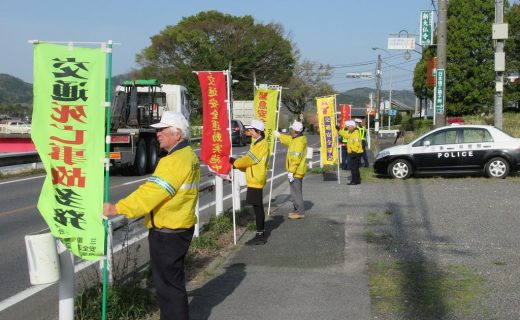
363 134
167 200
354 150
254 163
295 165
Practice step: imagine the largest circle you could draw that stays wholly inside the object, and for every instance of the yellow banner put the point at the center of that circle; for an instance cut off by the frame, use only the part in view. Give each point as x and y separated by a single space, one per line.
328 133
266 105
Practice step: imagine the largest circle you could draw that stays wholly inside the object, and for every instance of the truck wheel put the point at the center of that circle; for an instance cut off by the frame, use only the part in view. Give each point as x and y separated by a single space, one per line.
139 166
153 155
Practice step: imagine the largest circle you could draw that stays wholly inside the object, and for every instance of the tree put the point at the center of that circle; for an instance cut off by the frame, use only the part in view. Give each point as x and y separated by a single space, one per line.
210 41
309 81
470 56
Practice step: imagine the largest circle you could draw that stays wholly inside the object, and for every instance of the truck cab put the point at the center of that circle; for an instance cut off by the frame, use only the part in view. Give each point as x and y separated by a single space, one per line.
137 105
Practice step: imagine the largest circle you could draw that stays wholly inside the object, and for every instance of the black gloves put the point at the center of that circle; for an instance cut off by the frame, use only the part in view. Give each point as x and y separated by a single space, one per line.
232 160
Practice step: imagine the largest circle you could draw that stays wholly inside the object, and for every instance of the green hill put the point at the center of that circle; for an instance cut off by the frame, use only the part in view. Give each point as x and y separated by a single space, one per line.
14 90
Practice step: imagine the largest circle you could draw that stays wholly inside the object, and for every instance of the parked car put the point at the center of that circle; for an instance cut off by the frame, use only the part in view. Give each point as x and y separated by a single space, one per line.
238 133
461 149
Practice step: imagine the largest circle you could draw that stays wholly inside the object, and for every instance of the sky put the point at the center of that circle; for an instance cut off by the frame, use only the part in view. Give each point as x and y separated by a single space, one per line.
340 33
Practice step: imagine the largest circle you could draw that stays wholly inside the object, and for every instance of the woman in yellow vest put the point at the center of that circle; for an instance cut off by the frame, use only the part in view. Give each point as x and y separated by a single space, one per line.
254 163
363 134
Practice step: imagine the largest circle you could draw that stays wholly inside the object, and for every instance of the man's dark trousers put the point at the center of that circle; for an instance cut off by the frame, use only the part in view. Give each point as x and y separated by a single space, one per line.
355 161
167 252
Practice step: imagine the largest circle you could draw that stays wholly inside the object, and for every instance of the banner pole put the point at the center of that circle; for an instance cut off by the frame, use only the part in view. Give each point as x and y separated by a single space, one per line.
107 171
336 140
274 151
232 176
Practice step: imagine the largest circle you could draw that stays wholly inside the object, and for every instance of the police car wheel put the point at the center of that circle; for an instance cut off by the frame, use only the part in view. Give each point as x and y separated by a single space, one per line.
497 168
400 169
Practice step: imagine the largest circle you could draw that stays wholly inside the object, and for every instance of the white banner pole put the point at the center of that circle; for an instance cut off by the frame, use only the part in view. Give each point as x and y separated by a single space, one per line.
233 190
274 151
336 142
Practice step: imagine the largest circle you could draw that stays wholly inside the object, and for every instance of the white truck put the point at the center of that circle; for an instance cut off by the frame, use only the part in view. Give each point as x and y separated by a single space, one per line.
243 110
138 104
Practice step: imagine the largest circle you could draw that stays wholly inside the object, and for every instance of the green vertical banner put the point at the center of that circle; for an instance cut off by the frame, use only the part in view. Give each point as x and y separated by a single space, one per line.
69 135
266 105
426 28
440 87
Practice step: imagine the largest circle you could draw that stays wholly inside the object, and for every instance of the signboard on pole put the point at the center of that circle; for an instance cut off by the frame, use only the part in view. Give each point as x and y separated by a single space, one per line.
439 91
266 105
345 114
401 43
426 27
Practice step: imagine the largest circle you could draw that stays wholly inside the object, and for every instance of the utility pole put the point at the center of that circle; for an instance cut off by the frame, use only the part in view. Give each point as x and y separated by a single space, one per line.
379 115
440 118
499 34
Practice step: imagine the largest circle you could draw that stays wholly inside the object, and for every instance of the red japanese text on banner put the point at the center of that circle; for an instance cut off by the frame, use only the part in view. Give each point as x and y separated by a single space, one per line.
68 131
266 105
216 145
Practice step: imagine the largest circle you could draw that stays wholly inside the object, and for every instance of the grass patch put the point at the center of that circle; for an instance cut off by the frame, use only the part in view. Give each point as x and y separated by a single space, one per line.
499 263
424 291
204 242
123 303
325 169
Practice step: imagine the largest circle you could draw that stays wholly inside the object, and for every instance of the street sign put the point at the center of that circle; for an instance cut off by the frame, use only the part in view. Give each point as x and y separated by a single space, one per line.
360 75
426 27
401 43
439 91
392 112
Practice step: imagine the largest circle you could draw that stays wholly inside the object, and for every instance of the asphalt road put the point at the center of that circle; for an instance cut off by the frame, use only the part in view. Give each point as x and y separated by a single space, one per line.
19 215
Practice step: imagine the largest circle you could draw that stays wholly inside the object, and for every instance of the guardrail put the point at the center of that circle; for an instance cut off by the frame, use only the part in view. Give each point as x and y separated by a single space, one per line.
11 159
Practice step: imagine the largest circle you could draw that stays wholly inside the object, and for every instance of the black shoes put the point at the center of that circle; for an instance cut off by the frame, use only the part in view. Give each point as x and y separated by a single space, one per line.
352 184
258 239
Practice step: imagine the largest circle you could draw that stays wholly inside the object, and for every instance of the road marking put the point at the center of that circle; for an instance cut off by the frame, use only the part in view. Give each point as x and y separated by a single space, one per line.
20 180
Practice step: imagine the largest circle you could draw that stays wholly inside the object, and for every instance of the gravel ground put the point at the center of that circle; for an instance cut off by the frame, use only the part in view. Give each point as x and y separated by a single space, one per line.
470 222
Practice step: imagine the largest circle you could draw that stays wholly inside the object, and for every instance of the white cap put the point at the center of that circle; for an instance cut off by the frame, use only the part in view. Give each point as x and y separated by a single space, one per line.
350 123
297 126
357 120
257 124
175 120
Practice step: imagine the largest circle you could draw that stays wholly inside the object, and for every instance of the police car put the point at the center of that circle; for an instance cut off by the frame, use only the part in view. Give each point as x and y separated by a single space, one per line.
453 149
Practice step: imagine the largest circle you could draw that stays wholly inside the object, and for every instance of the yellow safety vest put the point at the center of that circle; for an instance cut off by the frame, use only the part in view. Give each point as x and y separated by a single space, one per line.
168 198
295 161
254 163
353 141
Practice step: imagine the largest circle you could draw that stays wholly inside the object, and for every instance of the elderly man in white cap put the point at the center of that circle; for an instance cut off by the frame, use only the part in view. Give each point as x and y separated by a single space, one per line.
354 150
295 165
167 200
254 163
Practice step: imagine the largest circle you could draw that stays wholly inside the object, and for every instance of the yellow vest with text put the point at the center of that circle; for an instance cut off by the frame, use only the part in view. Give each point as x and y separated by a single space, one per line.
295 161
170 195
353 140
254 163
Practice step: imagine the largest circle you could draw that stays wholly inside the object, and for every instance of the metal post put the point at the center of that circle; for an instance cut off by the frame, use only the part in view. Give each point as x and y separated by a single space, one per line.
219 195
499 76
196 232
274 151
66 283
233 189
441 54
236 192
378 93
